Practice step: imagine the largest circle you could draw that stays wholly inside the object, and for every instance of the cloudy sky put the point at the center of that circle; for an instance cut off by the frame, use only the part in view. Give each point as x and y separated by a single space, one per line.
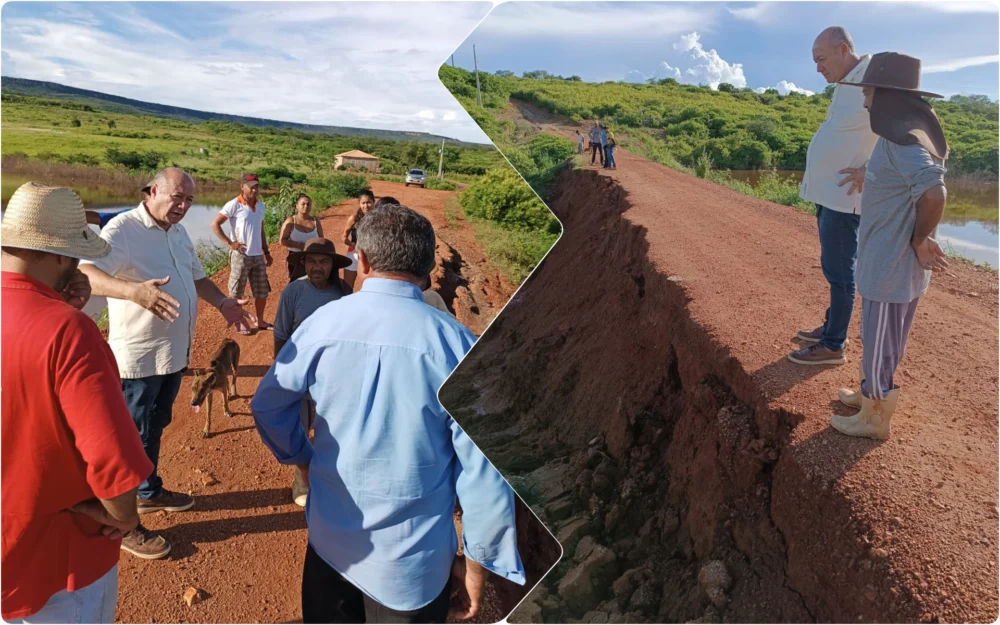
756 45
371 65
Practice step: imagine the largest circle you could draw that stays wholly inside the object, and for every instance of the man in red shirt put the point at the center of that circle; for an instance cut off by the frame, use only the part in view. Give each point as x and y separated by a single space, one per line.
71 458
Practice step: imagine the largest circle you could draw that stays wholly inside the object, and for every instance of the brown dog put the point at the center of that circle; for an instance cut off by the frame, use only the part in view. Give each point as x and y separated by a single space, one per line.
215 378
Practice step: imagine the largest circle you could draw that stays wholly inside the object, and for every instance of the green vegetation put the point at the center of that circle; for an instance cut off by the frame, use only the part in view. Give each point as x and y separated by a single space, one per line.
514 226
123 144
84 100
210 150
440 185
735 128
213 258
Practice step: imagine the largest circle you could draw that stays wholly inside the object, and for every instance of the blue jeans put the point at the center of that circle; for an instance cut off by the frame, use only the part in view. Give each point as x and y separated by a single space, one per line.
838 241
150 401
91 604
609 160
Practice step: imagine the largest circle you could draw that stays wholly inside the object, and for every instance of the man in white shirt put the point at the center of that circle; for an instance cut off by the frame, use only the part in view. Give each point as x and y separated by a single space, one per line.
249 258
153 279
842 145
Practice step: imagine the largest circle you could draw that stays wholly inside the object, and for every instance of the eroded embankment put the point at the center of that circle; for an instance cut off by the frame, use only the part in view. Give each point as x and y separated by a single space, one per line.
647 449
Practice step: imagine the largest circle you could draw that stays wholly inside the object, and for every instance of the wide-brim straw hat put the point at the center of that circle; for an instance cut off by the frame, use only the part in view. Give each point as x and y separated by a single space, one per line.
319 245
50 219
892 70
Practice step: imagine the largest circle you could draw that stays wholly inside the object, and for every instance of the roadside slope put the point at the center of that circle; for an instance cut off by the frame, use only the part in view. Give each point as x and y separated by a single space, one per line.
673 354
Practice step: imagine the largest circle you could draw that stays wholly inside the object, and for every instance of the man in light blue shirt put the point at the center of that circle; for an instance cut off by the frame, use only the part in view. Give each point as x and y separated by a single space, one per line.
387 461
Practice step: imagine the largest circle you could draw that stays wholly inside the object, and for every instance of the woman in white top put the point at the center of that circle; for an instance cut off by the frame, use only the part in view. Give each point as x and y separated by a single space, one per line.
297 230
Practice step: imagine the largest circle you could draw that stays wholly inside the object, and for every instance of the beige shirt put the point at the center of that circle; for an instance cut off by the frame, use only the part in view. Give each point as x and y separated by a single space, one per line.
434 299
844 140
141 250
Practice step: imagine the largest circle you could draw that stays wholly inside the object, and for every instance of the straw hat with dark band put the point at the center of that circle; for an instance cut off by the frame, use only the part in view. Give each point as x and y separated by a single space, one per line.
50 219
322 246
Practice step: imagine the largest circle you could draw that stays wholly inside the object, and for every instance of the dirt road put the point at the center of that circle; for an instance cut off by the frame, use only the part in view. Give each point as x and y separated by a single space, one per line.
673 356
243 543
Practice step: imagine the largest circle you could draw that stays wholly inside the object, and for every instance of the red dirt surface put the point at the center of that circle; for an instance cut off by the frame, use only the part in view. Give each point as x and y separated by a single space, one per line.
657 330
244 541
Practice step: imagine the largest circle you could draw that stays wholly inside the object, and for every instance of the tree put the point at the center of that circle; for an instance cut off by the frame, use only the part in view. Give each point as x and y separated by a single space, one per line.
504 73
111 123
726 87
828 92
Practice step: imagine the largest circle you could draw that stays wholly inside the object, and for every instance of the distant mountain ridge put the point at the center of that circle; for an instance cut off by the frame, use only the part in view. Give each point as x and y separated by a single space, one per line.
118 104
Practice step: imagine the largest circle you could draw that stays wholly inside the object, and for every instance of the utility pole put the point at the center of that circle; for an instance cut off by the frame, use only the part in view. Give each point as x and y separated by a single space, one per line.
441 162
479 95
453 60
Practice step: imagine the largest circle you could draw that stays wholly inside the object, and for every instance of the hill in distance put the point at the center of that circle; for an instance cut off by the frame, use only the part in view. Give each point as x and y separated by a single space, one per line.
117 104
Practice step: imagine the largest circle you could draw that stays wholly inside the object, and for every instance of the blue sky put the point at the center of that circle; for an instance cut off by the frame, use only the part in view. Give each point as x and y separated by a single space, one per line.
761 45
371 65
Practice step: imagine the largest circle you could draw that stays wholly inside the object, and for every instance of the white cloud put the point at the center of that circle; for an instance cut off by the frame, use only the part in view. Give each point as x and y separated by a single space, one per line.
340 64
704 67
449 116
636 76
760 13
785 87
959 6
514 20
957 64
709 68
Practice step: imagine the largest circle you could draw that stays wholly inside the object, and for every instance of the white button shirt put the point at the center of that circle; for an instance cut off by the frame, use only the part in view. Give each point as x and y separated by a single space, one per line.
141 250
844 140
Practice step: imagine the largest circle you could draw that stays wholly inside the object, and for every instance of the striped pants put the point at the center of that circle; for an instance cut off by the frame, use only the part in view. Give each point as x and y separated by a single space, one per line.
884 330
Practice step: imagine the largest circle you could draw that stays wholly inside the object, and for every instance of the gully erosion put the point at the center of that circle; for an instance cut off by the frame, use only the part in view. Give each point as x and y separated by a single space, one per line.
636 393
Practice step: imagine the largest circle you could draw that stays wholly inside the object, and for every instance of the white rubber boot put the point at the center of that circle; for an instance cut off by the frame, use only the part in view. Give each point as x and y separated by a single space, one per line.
852 398
872 421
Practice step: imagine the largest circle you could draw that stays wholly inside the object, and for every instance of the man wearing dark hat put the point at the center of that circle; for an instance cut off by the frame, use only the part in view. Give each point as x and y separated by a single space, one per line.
903 202
320 285
250 256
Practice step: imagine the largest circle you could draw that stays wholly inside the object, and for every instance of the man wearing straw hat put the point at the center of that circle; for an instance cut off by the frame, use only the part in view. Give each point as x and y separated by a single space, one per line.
320 285
71 459
153 279
902 205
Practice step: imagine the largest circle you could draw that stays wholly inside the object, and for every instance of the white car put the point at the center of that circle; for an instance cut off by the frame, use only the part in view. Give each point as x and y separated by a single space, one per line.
417 177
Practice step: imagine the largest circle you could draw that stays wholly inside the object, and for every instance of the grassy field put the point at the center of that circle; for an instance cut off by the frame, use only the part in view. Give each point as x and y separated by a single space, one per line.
110 154
64 131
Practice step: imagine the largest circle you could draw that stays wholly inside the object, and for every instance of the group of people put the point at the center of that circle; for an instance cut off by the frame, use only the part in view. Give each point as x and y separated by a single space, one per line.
877 221
602 145
83 418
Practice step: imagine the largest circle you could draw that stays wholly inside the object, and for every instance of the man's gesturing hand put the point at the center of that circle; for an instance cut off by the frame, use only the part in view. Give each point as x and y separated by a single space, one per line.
469 578
233 311
148 295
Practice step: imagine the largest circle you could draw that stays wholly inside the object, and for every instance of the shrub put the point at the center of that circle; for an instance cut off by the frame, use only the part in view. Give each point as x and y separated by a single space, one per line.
75 123
440 185
134 160
500 196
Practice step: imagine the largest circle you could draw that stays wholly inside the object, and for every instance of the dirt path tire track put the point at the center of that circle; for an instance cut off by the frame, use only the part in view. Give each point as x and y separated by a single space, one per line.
915 517
244 541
